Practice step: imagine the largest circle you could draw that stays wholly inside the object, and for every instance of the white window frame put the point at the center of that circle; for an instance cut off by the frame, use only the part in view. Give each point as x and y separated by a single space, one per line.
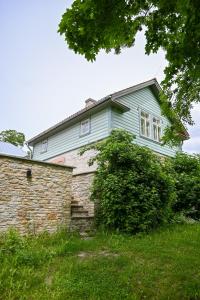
82 132
145 122
151 124
44 146
158 125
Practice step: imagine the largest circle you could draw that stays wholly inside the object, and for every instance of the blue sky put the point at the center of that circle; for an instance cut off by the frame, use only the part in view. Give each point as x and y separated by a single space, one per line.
42 81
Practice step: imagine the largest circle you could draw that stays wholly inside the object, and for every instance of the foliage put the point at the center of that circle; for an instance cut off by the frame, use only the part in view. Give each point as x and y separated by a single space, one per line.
133 190
90 25
186 171
13 137
107 266
181 218
12 243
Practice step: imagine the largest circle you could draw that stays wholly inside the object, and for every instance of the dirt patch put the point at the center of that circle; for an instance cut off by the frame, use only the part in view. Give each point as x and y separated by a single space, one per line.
48 280
96 254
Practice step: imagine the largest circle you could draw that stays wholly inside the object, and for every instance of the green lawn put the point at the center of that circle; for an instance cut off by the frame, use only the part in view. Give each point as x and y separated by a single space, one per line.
161 265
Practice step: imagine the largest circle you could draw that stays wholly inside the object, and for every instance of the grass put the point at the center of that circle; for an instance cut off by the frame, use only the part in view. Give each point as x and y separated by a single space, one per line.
162 265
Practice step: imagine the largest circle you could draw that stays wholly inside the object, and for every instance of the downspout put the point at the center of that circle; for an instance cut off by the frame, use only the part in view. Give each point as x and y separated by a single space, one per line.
31 151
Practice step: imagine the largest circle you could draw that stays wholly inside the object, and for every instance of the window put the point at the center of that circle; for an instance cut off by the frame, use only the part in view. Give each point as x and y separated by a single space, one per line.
85 127
145 124
150 126
44 146
156 129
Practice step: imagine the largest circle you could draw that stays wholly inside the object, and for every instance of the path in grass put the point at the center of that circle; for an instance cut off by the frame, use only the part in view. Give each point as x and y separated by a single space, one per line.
161 265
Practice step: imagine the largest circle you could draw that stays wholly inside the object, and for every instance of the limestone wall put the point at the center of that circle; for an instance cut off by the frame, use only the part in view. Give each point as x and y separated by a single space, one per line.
35 204
83 175
81 185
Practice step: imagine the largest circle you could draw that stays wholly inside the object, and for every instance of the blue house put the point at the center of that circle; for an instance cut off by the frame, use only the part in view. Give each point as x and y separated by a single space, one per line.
135 109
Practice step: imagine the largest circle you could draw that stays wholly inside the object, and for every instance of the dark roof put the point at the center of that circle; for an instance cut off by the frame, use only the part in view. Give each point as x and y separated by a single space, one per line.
110 99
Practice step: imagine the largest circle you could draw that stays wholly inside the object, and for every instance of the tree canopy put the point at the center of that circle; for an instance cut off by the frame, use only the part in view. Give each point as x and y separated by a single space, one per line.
173 25
13 137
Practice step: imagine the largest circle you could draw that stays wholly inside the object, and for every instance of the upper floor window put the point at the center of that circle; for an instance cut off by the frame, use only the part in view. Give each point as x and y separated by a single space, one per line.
145 124
44 146
156 129
85 127
150 126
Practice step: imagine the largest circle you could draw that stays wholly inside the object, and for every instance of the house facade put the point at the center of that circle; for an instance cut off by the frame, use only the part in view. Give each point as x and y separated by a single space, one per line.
135 109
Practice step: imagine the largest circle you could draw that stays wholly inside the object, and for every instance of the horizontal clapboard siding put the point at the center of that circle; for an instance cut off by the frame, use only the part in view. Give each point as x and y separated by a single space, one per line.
69 138
142 99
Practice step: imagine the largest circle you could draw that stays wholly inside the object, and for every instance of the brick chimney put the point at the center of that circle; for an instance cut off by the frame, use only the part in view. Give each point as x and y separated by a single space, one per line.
89 102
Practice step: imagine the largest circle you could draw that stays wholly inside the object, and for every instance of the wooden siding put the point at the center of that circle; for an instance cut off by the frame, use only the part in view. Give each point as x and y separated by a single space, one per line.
103 122
143 99
69 138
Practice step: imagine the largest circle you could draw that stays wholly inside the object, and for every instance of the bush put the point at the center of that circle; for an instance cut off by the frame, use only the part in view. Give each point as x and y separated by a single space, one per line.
186 171
11 242
133 190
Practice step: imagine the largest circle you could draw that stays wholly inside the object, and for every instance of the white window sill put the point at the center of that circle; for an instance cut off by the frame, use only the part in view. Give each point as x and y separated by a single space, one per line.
150 139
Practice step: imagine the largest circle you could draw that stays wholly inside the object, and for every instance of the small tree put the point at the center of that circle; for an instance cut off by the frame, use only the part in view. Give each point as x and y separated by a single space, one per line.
13 137
131 188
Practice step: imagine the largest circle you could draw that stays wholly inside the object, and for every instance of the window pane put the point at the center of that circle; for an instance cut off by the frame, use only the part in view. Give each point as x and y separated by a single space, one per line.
85 127
154 120
145 124
156 129
159 134
147 128
44 146
142 126
155 132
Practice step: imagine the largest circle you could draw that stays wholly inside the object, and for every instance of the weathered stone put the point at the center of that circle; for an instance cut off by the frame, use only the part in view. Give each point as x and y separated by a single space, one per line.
82 224
81 190
36 204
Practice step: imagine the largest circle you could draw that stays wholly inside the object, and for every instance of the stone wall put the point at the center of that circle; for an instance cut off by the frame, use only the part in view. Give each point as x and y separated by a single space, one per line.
81 185
34 204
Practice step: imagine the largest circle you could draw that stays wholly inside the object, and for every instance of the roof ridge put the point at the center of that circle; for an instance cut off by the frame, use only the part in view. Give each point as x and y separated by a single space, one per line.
153 80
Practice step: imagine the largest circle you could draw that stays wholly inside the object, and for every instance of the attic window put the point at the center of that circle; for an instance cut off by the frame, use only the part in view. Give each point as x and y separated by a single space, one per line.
150 126
145 124
156 129
44 146
85 127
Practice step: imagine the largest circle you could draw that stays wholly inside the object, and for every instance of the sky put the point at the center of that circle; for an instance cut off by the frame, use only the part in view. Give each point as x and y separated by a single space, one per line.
43 82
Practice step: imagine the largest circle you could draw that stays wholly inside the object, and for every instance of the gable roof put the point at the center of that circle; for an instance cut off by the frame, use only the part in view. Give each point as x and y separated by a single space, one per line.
10 149
109 100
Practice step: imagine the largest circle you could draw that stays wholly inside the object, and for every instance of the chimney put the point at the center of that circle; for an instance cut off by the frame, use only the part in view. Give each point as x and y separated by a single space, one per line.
89 102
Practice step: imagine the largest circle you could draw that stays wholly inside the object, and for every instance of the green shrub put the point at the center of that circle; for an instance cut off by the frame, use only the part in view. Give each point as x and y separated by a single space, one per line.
186 171
11 242
131 188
